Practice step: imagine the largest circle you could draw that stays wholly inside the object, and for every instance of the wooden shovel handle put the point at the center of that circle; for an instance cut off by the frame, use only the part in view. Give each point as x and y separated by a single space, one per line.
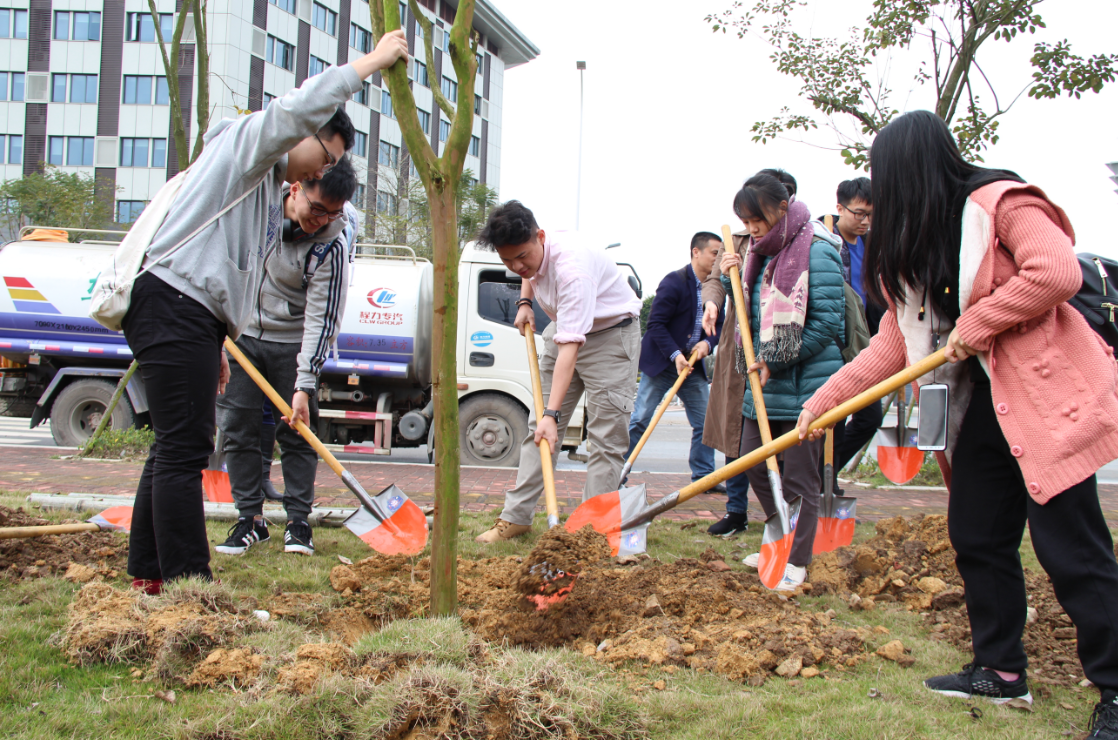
747 346
283 407
13 533
664 406
829 448
550 502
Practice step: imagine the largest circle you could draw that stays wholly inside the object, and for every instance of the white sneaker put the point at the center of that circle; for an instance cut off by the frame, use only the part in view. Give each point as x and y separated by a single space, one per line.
794 576
752 561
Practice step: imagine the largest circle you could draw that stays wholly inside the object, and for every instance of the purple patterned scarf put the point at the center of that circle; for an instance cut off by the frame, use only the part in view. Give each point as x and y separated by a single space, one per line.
783 284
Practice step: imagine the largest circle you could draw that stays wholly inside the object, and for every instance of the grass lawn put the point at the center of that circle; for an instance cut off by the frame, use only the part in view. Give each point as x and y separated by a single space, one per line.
42 695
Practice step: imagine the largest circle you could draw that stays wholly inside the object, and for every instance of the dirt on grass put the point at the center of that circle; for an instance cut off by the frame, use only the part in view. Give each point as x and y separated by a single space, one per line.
100 554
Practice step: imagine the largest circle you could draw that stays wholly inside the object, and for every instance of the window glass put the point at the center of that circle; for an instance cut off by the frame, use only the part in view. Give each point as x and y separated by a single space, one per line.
475 146
17 85
61 25
158 152
56 151
360 144
126 152
497 297
20 25
162 96
81 26
444 130
5 23
386 104
3 85
424 121
421 74
143 90
2 148
15 150
79 151
128 211
316 66
58 89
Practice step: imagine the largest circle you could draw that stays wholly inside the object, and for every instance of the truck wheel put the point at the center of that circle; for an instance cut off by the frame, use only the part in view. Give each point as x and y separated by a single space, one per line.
78 409
491 430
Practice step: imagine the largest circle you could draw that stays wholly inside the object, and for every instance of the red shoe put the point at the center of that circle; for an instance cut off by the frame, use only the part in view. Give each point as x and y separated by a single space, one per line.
152 587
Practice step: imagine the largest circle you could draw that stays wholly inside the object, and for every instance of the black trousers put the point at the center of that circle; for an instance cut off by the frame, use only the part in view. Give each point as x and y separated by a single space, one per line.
987 511
177 342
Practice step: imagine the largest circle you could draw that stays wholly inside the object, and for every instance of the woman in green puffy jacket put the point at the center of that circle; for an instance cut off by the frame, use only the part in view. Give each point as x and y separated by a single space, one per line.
793 282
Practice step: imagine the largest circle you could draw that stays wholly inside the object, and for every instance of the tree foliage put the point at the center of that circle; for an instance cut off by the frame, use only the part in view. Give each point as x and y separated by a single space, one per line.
847 80
55 198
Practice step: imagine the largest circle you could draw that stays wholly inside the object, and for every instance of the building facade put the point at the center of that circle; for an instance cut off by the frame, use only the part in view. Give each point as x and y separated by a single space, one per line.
83 86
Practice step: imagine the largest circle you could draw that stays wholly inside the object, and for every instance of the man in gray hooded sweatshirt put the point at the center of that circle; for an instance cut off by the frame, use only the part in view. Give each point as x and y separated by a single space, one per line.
297 317
193 296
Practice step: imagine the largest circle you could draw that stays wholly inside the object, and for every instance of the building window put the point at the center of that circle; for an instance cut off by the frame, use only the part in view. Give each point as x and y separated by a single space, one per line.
138 90
83 88
158 152
15 150
480 62
86 26
17 86
475 146
446 40
360 196
281 53
127 211
424 121
133 152
450 89
477 105
13 25
362 95
386 203
412 171
360 144
316 66
418 36
268 98
421 74
56 150
58 89
360 39
386 104
288 5
389 155
79 151
444 130
140 28
324 19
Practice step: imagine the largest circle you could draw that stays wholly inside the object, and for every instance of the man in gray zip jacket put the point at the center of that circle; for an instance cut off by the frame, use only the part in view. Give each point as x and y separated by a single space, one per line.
202 288
298 315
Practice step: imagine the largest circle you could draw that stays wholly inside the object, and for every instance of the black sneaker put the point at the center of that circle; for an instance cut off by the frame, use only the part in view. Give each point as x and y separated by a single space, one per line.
297 537
243 535
974 680
1104 720
729 525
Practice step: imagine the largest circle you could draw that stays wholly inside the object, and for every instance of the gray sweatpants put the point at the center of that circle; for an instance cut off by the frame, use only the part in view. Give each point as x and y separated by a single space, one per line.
240 418
606 370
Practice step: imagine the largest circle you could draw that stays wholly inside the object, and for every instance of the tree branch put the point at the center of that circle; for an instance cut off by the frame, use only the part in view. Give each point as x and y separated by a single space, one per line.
202 58
428 44
178 129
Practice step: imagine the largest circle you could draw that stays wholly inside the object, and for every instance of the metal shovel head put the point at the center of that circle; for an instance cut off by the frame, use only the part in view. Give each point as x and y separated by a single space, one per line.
403 531
215 478
606 511
897 455
116 518
837 529
776 545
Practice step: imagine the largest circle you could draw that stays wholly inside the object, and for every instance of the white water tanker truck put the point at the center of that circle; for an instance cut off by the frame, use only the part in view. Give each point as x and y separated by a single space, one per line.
375 390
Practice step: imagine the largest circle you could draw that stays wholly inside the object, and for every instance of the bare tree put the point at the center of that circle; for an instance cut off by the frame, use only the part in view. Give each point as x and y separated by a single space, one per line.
190 11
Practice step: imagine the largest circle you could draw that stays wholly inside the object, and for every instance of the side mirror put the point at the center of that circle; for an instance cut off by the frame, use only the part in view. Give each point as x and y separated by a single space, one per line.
636 286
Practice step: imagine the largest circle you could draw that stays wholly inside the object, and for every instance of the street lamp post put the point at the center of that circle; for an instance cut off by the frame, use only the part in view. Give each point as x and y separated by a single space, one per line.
581 67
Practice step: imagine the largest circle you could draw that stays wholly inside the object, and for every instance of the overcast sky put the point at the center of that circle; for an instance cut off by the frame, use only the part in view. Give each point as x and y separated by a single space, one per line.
669 104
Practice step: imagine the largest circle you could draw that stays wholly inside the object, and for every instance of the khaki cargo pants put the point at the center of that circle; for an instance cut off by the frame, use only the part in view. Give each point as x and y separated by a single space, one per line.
606 370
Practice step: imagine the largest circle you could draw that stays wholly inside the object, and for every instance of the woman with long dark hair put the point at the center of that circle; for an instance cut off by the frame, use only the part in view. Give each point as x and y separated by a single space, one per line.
795 303
980 262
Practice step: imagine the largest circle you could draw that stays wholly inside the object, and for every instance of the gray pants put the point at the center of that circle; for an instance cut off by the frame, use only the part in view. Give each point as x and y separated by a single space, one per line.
606 370
240 419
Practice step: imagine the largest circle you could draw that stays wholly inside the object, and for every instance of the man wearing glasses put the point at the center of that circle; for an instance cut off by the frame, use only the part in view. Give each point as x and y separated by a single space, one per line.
204 281
298 316
855 212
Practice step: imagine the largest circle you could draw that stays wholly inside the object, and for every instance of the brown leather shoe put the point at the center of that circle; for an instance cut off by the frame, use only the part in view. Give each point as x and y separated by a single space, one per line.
503 530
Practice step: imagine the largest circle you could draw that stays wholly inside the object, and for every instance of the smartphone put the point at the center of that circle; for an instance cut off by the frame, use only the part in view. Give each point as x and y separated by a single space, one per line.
931 434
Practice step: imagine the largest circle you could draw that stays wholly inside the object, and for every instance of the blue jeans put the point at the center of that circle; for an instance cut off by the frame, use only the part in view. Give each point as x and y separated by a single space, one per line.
737 491
694 393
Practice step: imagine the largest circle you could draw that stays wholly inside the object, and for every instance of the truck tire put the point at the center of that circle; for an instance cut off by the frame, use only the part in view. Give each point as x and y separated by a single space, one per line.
491 428
78 408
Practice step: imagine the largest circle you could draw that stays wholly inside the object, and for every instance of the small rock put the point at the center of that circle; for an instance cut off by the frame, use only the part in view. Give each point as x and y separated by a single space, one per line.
688 648
830 613
627 560
342 578
261 614
866 605
854 601
892 650
588 650
931 585
1067 706
78 573
898 583
652 606
718 566
790 667
1031 615
948 599
806 587
660 685
603 646
344 560
881 630
167 696
809 672
1086 683
1064 633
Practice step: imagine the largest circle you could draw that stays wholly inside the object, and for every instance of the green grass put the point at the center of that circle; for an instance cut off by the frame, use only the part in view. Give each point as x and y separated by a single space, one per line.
44 696
120 443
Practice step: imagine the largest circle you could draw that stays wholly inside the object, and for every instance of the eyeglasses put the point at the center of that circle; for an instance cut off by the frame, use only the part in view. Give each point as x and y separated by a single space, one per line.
330 161
859 215
319 211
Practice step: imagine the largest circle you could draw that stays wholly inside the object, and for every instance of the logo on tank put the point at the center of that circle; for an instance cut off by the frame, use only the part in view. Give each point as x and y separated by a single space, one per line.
382 297
481 339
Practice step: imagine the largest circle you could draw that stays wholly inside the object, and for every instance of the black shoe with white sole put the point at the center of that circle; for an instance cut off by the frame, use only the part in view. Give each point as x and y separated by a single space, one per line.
974 680
297 537
244 534
729 525
1104 720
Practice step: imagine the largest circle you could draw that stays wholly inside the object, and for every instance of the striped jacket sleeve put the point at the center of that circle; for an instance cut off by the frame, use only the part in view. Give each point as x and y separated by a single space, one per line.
326 297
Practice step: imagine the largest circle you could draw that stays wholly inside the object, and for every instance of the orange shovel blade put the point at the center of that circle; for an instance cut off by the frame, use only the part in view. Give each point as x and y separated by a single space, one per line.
776 546
215 483
603 513
836 531
118 518
899 464
404 532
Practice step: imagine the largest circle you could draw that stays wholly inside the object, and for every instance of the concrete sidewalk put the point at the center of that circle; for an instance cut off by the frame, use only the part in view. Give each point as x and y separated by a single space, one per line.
39 470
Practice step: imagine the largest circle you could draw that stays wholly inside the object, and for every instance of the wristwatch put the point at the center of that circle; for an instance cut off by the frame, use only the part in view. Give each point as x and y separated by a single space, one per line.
312 392
553 414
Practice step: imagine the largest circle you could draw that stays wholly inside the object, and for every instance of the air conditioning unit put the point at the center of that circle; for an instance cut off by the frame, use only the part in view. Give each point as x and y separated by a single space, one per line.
259 42
304 10
106 151
38 87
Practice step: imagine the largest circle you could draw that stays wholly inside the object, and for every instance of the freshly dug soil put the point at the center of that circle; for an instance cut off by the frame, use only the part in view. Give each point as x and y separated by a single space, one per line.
558 558
106 553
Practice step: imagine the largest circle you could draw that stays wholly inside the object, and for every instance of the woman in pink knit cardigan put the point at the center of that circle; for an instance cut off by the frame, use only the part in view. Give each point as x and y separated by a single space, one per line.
979 262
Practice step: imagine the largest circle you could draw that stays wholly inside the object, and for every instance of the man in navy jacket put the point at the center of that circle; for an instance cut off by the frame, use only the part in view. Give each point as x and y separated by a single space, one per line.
674 332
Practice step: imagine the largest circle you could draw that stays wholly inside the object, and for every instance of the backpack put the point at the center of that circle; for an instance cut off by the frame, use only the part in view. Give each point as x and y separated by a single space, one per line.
1097 299
857 336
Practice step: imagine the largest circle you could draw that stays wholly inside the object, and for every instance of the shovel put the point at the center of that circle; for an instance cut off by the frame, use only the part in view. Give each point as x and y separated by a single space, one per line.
659 413
780 528
897 456
836 513
389 522
606 515
545 448
115 519
215 478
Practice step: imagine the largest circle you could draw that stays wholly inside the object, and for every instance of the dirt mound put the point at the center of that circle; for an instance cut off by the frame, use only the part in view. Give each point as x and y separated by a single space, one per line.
106 553
312 661
236 668
557 558
105 625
